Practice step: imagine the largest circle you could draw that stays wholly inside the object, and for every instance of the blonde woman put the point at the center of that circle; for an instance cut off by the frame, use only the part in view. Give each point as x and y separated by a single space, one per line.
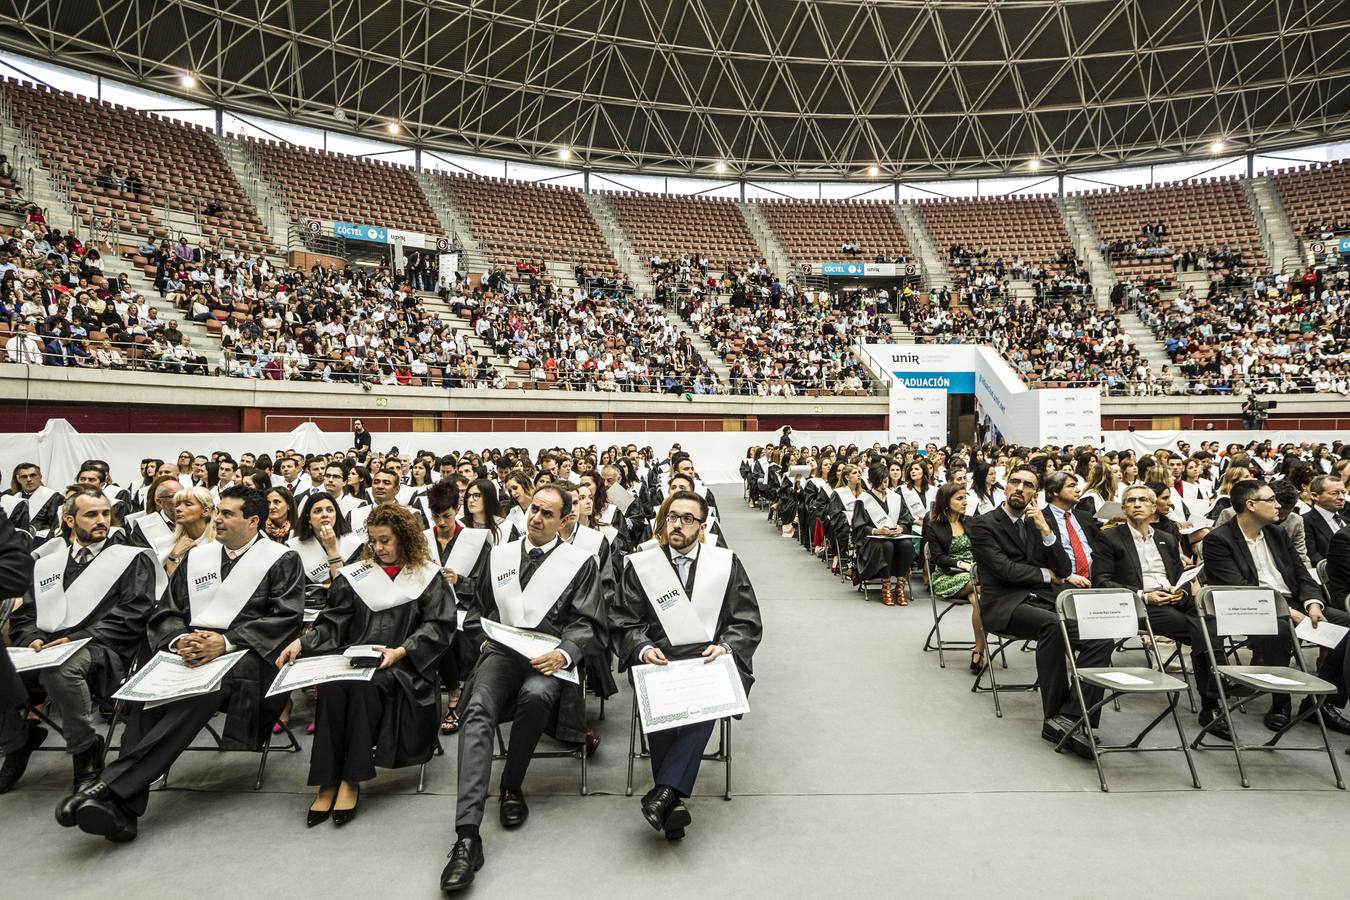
1102 487
194 524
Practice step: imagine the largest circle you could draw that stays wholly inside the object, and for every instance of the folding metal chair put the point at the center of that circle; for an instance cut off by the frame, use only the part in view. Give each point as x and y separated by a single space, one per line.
995 647
438 750
1262 680
637 749
291 746
934 640
555 754
1117 681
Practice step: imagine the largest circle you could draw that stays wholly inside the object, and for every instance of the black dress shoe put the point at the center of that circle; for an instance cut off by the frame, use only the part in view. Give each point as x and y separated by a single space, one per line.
676 834
466 857
1330 715
514 810
1277 719
343 816
664 810
1219 729
102 814
1054 729
319 816
65 810
16 763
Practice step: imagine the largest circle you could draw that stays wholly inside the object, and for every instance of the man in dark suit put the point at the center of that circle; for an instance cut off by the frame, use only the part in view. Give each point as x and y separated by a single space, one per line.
1022 567
1327 516
1338 568
16 574
1252 549
1138 557
1075 529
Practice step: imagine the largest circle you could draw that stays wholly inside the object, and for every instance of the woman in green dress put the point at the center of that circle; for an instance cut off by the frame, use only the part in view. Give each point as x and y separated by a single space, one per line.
951 558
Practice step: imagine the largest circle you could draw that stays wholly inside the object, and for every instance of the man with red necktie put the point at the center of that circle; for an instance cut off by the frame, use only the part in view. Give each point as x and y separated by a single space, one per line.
1076 529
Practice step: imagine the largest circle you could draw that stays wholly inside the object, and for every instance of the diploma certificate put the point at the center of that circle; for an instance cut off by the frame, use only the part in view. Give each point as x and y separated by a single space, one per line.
305 673
167 677
687 691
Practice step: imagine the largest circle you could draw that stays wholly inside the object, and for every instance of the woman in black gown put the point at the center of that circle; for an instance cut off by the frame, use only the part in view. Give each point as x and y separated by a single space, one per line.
392 598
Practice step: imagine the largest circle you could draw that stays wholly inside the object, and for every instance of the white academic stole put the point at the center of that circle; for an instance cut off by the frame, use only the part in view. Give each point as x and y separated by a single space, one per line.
60 607
380 592
607 517
348 502
685 619
588 539
526 608
846 497
516 517
881 517
213 602
41 497
357 517
158 533
314 558
464 551
404 495
111 491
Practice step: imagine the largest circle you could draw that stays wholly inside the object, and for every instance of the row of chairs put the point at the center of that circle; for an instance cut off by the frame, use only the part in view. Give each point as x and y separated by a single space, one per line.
1237 685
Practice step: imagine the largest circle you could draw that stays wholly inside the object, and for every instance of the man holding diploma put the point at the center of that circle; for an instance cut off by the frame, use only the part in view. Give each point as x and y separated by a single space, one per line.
239 592
1139 557
91 588
683 599
542 584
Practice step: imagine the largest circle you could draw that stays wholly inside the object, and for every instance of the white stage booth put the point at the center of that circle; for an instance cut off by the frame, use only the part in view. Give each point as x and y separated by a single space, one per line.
1006 408
59 448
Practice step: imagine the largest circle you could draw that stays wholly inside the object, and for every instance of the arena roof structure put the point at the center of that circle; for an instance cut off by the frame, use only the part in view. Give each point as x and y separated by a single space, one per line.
810 89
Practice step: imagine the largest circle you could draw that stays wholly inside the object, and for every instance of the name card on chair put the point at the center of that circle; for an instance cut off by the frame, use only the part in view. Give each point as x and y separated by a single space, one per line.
1245 612
1105 616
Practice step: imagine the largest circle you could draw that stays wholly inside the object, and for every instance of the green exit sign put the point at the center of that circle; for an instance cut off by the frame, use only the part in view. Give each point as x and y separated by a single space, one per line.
381 401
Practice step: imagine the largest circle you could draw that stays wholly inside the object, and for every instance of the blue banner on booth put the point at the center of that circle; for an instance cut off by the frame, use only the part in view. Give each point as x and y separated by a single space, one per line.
852 269
951 382
1345 245
373 233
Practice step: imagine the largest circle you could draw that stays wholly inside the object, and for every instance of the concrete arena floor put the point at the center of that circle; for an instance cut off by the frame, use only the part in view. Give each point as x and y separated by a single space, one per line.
864 768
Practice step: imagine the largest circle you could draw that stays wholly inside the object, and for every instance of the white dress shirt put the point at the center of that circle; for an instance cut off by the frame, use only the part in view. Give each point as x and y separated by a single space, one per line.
1151 564
1267 574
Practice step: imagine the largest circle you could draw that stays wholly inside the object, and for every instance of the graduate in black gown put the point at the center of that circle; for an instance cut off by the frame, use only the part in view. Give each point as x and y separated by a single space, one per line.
92 589
16 574
240 592
394 598
461 553
721 617
41 506
881 537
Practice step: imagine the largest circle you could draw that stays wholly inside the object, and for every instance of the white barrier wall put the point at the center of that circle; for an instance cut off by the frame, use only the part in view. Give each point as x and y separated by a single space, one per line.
59 449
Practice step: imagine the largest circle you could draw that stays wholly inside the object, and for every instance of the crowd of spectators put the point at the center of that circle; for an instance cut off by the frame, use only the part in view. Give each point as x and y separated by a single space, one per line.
779 340
982 277
1281 334
1047 340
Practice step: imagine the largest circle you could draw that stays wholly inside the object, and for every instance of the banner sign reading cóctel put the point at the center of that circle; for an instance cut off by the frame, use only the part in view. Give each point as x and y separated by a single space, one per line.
373 233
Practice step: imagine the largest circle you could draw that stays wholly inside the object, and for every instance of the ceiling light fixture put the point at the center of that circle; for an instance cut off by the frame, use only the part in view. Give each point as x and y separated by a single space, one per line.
721 168
564 152
392 128
187 80
1218 146
1035 165
873 171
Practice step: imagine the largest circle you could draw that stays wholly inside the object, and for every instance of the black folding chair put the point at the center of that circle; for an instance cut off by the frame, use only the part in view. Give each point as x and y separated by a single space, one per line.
1117 681
934 639
1257 681
996 647
637 749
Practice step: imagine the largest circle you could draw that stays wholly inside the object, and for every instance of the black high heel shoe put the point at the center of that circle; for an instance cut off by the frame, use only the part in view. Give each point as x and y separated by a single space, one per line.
317 816
343 816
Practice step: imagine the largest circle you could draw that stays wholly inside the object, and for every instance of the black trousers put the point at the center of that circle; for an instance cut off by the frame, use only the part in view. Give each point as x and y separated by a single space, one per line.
502 680
346 728
1034 619
1333 666
154 739
898 554
677 753
1181 624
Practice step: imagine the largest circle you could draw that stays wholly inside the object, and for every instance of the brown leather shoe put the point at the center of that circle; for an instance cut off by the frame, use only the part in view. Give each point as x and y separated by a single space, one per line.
900 597
887 598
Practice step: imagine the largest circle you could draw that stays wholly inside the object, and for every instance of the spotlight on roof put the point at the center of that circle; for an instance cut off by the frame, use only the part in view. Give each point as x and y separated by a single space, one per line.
1034 165
392 128
187 80
564 152
1218 146
873 171
721 168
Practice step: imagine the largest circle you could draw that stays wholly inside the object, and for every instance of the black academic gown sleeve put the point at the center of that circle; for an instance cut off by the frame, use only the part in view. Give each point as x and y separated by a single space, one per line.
270 619
424 628
48 518
471 582
739 624
116 626
16 563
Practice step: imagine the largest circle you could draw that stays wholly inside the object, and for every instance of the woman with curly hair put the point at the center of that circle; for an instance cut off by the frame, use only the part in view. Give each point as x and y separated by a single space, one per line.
393 600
